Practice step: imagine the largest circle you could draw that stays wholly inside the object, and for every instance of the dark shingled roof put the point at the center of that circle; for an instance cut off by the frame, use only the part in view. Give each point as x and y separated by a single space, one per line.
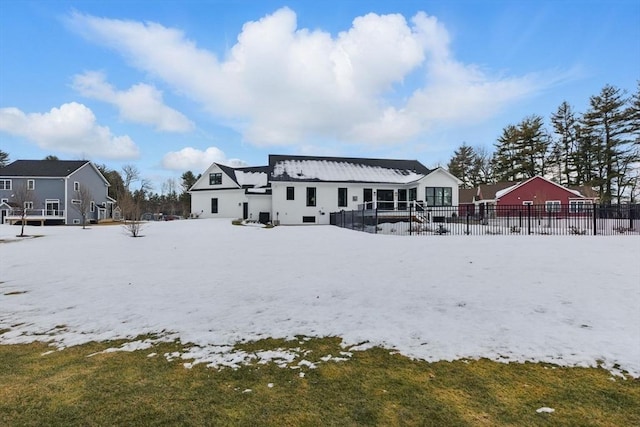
467 195
48 168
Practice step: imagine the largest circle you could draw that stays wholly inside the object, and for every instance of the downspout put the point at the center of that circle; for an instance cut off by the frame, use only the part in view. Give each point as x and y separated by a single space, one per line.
66 199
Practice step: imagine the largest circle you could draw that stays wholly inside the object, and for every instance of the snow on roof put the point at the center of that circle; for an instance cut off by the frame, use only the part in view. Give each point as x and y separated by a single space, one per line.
251 178
504 191
341 171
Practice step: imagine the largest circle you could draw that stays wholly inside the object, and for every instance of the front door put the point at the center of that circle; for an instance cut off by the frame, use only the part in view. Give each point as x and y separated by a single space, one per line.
52 207
245 210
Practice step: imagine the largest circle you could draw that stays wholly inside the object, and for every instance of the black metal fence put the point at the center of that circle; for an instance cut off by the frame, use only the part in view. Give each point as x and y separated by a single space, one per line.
574 219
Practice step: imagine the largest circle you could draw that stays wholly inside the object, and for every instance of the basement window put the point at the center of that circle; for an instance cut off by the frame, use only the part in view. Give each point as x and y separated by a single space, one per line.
308 219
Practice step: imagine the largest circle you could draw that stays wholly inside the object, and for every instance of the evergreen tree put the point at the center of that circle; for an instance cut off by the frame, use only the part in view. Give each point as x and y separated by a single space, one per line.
4 158
188 179
634 115
522 150
609 121
563 151
504 161
464 166
532 146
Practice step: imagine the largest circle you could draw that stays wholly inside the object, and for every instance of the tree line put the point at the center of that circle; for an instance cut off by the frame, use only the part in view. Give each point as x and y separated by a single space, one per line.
136 197
599 148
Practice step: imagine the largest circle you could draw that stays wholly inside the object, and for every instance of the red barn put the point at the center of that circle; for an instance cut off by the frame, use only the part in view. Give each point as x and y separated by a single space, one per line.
538 191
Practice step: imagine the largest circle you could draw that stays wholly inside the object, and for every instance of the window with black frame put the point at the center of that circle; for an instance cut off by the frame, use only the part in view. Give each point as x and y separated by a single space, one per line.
342 197
439 196
215 178
311 196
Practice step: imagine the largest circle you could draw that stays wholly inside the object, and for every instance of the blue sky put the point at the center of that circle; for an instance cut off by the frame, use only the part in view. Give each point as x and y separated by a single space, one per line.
171 86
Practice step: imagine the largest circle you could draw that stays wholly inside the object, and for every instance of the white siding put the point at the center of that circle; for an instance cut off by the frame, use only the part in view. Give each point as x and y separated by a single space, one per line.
259 203
290 212
229 203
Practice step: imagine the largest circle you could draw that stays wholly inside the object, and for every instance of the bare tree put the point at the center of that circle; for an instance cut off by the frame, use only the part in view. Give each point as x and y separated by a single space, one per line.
21 201
131 174
131 214
82 203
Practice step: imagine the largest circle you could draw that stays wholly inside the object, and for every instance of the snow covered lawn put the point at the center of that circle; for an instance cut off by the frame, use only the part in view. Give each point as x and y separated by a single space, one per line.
568 300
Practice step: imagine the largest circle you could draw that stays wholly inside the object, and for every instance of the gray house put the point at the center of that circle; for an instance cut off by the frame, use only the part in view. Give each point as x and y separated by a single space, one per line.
50 192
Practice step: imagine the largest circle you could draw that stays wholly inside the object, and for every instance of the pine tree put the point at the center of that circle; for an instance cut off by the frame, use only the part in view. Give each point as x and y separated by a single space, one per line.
504 159
464 166
532 146
4 158
522 150
609 121
634 115
563 157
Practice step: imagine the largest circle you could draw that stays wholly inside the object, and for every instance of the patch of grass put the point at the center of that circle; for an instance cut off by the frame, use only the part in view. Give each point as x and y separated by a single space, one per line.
373 387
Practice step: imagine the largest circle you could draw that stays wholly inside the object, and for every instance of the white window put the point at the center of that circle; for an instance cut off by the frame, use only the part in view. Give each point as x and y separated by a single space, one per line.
552 205
28 205
75 202
31 184
4 200
76 186
576 206
5 184
527 202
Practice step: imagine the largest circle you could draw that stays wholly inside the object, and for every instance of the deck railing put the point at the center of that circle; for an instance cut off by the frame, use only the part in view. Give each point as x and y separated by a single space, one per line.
51 213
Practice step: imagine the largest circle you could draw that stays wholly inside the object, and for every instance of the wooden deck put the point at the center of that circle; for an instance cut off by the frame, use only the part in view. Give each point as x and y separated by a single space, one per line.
40 216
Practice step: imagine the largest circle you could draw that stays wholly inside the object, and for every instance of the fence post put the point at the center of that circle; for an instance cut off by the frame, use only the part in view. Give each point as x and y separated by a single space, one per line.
520 218
468 218
376 220
363 208
595 219
410 220
528 219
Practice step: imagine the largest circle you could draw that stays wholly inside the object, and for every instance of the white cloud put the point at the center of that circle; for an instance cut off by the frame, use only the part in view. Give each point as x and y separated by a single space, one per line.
72 128
141 103
197 160
282 85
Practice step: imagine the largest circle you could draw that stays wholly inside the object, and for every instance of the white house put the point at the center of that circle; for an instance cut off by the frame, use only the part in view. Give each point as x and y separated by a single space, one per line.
304 190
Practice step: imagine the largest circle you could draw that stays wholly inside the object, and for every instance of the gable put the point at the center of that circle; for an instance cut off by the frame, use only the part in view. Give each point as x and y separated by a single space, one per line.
227 177
540 189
